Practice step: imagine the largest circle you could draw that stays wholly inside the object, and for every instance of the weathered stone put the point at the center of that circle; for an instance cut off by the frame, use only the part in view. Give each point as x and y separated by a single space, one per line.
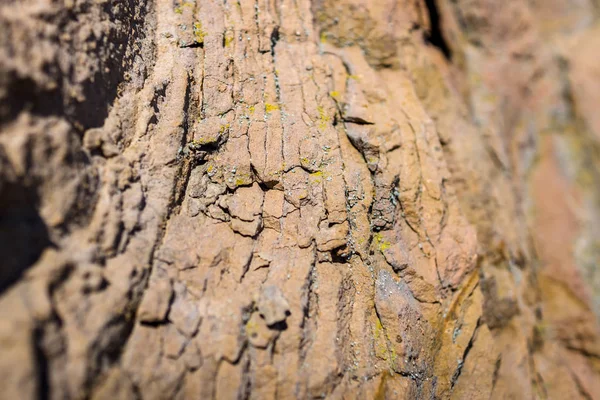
326 199
157 299
184 312
272 305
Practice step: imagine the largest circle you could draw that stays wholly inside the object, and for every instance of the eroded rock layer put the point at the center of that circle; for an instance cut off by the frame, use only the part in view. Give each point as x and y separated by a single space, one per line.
296 199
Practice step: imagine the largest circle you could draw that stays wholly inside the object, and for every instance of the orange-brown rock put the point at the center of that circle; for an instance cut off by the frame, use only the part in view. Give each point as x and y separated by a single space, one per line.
340 199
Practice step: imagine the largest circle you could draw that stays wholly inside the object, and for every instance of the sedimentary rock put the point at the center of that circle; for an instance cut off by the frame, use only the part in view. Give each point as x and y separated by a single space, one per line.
307 199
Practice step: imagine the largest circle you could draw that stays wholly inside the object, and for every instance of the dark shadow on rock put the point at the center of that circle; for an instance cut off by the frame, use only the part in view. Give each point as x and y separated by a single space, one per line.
279 326
23 233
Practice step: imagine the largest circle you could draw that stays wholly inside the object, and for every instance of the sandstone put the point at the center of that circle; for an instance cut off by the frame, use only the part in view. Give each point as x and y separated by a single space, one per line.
342 199
273 306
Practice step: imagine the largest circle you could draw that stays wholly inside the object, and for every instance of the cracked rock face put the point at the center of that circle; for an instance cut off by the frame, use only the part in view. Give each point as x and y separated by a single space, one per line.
311 199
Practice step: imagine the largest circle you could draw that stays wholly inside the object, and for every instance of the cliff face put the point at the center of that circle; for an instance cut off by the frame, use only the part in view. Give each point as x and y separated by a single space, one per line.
296 199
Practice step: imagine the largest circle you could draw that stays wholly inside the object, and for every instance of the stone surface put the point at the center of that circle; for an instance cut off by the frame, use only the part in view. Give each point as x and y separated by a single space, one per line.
311 199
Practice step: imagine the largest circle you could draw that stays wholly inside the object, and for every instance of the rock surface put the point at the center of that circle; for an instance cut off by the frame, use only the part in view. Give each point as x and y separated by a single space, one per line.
299 199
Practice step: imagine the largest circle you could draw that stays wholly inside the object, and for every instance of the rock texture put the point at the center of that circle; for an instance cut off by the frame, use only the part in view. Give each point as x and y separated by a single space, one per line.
299 199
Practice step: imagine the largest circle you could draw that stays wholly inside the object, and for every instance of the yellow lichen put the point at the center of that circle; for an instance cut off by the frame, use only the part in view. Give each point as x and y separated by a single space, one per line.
228 39
323 118
381 243
380 342
323 37
540 329
199 34
334 94
317 176
393 357
204 140
271 107
382 346
251 329
243 179
224 128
